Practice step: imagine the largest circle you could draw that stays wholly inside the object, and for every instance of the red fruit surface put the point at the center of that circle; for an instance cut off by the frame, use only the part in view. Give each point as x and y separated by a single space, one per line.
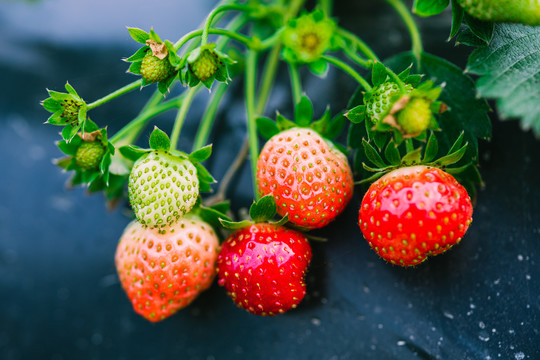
310 179
262 267
163 270
414 212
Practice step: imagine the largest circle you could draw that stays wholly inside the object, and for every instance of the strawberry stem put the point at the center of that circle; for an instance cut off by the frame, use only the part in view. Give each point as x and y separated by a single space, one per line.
181 115
212 15
407 18
250 83
123 90
208 117
349 70
359 43
296 84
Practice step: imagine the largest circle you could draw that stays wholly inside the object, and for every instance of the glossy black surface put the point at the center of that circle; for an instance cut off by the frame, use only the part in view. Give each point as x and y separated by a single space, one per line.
60 297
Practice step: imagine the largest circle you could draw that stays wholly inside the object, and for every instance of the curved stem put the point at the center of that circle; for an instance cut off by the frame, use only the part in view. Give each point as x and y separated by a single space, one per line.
230 34
349 70
359 43
296 84
216 11
250 81
268 77
129 87
326 6
208 117
407 18
368 64
397 80
181 115
132 129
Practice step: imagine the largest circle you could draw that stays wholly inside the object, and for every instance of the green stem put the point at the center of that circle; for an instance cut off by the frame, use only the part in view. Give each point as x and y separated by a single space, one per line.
268 77
349 70
131 130
368 64
216 11
326 6
359 43
296 84
397 80
129 87
250 83
181 115
208 117
407 18
230 34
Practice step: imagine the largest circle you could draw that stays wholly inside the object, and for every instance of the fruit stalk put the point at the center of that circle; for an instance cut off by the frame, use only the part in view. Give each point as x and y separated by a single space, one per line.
181 116
250 83
123 90
349 70
296 84
407 18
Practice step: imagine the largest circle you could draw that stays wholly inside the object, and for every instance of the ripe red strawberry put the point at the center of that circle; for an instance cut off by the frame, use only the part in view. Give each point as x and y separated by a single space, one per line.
309 178
414 212
154 69
164 270
262 267
162 188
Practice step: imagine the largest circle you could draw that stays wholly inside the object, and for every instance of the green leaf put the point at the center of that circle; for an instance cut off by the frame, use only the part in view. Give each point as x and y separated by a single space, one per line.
457 18
69 132
391 153
335 126
138 35
378 74
139 54
357 114
412 157
457 144
509 69
267 127
51 105
159 140
71 90
373 155
203 174
283 123
201 155
303 112
452 158
319 68
264 209
482 29
132 152
135 68
429 7
233 225
466 37
432 149
467 113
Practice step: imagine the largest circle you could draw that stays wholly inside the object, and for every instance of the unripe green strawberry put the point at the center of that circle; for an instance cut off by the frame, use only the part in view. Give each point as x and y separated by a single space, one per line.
380 103
520 11
206 65
71 110
162 188
154 69
89 154
415 117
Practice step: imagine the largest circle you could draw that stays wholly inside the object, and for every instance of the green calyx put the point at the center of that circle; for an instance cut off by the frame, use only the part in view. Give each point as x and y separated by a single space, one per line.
380 100
327 126
307 37
156 61
68 109
206 64
260 211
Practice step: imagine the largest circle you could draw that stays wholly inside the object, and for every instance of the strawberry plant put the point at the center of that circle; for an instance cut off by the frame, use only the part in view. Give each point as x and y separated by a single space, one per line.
407 143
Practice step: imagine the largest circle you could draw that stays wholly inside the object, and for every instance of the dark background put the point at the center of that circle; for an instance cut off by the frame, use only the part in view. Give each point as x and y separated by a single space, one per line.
59 294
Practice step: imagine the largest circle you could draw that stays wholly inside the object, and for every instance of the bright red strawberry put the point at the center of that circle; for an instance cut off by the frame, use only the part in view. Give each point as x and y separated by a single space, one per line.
414 212
262 267
164 270
309 178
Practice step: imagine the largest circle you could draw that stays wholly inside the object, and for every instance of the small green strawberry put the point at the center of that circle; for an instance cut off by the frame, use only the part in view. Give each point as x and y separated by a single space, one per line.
379 101
206 64
416 117
164 184
89 154
154 69
519 11
67 108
